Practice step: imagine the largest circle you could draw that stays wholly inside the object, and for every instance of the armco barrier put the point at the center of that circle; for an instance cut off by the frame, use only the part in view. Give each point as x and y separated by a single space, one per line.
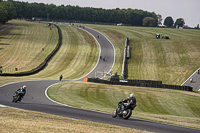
43 64
141 83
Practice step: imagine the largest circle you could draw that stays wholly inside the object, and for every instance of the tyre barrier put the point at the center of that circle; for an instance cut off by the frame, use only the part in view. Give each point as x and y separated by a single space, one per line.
44 63
140 83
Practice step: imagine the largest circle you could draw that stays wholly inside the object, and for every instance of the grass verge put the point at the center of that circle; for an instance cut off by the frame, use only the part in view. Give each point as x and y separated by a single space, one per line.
21 121
21 46
165 60
23 50
167 106
77 56
171 61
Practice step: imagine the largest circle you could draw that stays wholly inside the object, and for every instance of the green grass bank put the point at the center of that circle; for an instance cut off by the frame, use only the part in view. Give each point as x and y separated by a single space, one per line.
161 105
171 61
77 56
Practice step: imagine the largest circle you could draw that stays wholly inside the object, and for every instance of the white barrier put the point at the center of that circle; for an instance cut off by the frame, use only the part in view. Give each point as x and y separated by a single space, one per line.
124 65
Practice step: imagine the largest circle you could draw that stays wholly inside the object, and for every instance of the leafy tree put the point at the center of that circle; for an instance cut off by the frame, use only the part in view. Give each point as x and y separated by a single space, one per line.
168 21
9 7
159 17
75 13
179 22
3 14
7 11
149 22
198 26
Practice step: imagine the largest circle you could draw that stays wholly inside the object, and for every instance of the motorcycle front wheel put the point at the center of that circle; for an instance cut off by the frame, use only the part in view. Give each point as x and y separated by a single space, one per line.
14 98
127 114
114 114
17 98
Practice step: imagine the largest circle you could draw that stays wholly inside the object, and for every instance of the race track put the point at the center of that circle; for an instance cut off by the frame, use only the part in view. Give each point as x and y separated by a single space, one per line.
196 81
107 51
36 100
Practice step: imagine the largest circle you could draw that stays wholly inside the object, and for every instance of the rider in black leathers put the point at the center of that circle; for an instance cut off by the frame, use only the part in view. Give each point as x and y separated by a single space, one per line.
130 102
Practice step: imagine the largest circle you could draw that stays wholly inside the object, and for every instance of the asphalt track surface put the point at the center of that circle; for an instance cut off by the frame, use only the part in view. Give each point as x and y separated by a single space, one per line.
107 52
8 27
36 100
196 81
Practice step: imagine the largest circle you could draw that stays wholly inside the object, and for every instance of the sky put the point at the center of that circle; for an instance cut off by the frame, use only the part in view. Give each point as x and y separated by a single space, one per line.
189 10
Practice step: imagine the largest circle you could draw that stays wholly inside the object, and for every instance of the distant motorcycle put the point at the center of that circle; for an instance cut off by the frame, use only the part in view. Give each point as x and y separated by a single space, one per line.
18 96
122 111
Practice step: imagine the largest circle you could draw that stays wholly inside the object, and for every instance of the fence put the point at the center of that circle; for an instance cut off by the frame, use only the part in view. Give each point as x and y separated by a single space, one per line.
140 83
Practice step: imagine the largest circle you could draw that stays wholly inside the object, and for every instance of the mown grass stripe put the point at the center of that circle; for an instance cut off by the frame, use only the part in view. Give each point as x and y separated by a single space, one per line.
174 60
168 106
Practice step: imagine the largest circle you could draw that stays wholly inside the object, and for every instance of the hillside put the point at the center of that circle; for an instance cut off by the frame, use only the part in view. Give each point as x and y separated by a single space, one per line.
169 60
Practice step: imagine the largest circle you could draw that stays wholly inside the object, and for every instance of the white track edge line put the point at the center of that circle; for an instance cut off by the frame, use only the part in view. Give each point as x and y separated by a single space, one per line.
66 104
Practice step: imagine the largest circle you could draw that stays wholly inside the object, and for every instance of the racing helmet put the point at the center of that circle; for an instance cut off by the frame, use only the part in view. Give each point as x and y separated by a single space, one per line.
132 95
24 87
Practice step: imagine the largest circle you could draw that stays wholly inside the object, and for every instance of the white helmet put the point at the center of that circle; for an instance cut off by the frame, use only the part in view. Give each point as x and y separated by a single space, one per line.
24 87
132 95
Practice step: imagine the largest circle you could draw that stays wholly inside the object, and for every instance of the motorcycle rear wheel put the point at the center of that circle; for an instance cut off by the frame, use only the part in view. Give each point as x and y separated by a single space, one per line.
14 98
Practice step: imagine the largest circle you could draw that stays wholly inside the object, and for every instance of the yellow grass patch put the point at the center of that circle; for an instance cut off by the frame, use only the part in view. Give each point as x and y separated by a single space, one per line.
21 121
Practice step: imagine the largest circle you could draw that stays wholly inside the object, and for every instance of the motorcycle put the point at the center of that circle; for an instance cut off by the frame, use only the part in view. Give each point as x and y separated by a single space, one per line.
18 96
123 111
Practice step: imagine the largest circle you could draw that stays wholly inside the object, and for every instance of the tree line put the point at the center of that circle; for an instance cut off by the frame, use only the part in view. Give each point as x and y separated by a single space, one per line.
169 22
15 9
27 10
7 11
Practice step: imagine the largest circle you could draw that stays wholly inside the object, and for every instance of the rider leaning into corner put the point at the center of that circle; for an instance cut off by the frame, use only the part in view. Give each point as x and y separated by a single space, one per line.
23 89
125 107
130 102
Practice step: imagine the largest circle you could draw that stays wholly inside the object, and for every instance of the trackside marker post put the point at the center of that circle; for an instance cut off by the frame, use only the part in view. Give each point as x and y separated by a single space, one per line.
85 79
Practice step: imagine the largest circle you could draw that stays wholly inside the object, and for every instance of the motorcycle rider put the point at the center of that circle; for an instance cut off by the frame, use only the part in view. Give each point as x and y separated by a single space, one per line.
125 107
130 102
61 77
21 89
24 90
